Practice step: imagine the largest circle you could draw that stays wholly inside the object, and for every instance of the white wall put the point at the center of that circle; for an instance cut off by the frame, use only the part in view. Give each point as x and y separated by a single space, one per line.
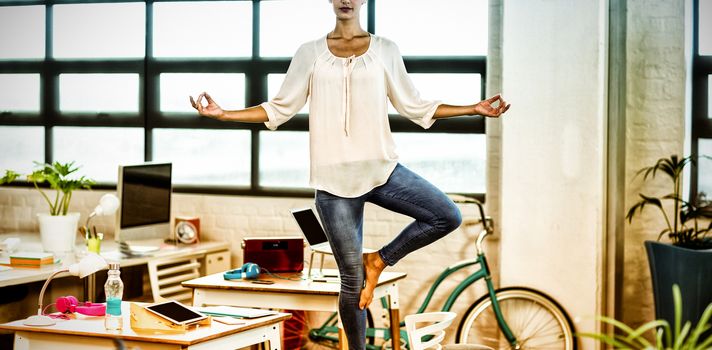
553 161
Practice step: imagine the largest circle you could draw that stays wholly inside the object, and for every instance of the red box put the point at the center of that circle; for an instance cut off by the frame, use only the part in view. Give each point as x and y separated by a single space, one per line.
275 254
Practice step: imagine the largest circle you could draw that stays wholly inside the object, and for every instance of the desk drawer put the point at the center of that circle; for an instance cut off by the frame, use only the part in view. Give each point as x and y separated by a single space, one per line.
217 262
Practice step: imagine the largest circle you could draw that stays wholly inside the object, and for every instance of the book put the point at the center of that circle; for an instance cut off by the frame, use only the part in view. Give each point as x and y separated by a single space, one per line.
31 258
240 312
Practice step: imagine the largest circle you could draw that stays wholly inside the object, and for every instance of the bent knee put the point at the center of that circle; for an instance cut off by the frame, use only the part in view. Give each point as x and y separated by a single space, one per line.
450 220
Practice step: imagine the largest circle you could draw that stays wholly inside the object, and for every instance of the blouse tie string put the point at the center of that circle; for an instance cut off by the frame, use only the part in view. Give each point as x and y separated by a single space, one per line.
348 67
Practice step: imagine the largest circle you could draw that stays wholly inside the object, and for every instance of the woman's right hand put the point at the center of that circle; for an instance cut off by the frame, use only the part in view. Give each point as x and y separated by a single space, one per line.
212 110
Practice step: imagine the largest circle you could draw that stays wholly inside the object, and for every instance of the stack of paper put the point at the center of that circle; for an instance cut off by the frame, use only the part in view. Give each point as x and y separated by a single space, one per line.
31 259
141 247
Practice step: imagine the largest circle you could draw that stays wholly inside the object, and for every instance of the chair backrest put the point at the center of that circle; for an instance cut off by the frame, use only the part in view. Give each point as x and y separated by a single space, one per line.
167 274
436 322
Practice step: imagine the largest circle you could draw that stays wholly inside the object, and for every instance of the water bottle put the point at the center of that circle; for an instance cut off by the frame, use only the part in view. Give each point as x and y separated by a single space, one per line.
114 290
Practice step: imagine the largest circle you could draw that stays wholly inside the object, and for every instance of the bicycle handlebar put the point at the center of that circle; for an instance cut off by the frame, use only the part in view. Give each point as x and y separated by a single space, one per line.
487 222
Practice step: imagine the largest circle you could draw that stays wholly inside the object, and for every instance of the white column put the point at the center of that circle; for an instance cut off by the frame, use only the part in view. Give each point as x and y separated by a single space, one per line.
553 151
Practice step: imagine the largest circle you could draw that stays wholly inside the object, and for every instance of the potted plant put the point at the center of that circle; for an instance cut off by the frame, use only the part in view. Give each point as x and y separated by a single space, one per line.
58 227
674 336
688 260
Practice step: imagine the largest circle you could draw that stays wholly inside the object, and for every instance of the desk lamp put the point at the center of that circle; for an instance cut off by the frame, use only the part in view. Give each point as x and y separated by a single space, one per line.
88 265
107 206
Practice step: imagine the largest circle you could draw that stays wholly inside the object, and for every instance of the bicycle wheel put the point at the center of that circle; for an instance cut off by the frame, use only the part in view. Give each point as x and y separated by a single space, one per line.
535 319
315 330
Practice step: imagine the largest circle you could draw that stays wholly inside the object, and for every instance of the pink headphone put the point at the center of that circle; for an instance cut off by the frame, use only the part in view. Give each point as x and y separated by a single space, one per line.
69 304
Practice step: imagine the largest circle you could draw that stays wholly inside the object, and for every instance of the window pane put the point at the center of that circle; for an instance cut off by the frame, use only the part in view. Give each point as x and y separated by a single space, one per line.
21 146
95 93
284 159
704 168
23 32
452 162
286 24
455 89
274 82
99 30
20 92
453 27
98 151
202 29
212 157
705 35
227 89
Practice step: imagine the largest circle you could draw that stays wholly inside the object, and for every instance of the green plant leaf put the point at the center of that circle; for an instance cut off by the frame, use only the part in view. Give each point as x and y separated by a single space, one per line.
636 335
680 338
618 324
9 177
702 325
705 345
56 175
663 232
677 303
606 339
646 200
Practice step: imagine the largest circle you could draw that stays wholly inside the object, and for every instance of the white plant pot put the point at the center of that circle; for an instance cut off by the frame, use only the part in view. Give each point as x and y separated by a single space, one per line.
58 233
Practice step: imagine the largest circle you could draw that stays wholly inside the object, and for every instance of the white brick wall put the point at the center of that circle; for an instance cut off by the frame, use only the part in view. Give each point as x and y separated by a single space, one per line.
655 128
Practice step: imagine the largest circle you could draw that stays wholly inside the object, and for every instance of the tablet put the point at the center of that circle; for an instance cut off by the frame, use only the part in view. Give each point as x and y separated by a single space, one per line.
176 312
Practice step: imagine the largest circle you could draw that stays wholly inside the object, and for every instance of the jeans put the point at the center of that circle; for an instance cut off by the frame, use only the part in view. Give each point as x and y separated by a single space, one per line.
406 193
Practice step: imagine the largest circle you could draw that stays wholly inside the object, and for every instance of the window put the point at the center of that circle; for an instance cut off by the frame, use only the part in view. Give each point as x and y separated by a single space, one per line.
98 150
701 135
20 93
227 88
449 24
98 93
109 85
26 40
99 31
21 146
284 159
204 156
206 29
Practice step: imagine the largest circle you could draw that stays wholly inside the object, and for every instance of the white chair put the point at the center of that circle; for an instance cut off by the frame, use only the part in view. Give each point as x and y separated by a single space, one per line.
167 274
436 322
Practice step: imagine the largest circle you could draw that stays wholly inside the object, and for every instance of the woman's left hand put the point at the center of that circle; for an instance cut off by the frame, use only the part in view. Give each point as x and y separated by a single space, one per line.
485 108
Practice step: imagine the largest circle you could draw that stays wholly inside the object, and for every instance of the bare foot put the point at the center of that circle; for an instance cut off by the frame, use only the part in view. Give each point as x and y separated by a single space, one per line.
374 265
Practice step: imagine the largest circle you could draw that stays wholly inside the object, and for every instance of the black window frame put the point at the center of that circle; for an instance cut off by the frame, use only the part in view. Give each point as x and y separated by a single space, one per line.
255 68
701 127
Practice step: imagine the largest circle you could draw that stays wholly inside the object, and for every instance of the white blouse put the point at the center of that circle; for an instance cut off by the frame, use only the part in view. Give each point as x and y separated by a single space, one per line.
351 146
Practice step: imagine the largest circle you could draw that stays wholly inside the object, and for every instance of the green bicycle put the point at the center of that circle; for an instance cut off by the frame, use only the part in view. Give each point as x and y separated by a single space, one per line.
504 318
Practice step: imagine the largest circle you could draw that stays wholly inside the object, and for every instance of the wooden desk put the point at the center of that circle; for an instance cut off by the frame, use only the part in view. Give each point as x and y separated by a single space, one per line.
89 333
109 250
294 295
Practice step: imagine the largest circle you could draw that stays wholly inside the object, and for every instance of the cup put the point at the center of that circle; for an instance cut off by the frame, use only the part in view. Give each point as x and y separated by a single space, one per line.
94 245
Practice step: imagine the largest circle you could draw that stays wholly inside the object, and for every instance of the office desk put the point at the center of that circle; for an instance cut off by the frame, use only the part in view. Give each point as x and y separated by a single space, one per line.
89 333
109 250
294 295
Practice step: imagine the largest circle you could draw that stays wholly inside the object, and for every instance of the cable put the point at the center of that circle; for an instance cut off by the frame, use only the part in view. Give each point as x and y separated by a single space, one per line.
288 278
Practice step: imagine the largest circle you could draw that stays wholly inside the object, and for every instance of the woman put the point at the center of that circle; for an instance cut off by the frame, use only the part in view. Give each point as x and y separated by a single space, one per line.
348 75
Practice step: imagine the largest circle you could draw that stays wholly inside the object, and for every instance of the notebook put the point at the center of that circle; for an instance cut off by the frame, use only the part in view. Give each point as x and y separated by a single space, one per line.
313 232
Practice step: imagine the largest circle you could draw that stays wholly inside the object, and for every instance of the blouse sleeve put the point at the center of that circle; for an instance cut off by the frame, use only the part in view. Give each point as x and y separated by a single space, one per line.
293 94
402 93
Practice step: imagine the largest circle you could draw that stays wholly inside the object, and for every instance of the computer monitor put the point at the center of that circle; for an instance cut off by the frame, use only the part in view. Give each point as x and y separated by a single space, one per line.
145 194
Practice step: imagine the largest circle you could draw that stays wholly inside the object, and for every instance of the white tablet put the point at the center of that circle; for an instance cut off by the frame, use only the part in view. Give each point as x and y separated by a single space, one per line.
176 312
